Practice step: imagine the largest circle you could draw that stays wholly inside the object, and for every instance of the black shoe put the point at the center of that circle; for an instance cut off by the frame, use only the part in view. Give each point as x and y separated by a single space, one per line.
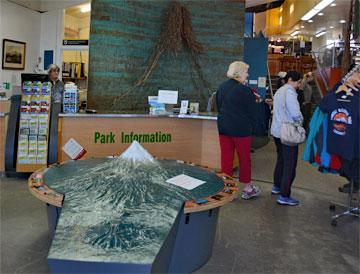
346 188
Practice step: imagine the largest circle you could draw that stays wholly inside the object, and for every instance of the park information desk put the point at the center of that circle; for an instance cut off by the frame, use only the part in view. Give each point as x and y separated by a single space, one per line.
190 138
121 215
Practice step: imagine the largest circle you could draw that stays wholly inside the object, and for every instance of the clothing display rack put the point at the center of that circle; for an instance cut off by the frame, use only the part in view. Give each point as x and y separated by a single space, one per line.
332 142
352 207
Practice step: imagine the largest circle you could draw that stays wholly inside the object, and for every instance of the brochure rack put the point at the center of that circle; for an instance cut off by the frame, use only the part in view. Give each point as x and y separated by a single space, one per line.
33 134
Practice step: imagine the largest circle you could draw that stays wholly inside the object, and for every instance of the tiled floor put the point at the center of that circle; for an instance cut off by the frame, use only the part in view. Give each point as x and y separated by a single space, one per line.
256 236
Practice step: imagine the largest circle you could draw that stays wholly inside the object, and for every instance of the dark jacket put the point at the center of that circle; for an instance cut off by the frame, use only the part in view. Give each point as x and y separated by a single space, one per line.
237 109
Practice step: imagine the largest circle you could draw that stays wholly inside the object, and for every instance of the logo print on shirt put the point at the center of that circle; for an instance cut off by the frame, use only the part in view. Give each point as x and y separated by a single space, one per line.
340 118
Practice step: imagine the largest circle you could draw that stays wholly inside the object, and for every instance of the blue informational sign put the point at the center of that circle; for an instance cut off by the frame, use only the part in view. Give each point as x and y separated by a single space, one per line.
256 55
48 58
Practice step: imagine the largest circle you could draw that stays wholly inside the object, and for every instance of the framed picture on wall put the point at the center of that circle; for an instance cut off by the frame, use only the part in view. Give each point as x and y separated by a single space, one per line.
13 54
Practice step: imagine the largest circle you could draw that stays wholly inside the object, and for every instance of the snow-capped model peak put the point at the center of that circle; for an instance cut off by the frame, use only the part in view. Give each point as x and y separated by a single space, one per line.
137 153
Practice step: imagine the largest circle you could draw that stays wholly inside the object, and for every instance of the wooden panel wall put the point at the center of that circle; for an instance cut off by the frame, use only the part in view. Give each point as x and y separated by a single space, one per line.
123 34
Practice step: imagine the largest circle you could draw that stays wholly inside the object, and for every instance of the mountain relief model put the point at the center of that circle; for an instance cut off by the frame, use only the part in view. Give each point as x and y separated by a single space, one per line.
120 209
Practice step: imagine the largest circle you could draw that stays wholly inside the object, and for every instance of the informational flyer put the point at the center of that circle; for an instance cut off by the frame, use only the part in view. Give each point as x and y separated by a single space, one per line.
168 97
262 82
185 181
73 149
184 106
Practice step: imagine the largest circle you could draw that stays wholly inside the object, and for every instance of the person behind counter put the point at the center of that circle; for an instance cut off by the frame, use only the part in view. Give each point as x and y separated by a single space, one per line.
286 109
236 106
57 90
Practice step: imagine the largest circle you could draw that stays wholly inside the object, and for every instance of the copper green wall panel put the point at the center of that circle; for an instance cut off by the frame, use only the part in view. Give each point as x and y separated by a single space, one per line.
124 32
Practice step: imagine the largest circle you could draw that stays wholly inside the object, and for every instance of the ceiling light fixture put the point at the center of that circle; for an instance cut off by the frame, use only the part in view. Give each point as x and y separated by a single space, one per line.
292 7
310 21
321 14
342 21
294 33
315 10
321 33
331 27
85 8
302 27
333 5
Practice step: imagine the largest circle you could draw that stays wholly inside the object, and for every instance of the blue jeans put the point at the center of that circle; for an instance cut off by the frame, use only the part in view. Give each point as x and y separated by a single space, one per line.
285 169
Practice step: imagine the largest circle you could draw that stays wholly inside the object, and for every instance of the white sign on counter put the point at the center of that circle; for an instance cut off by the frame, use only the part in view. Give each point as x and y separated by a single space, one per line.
73 149
184 106
168 96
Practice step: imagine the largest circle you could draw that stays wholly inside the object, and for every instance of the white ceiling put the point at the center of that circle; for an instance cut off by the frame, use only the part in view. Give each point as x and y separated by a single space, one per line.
47 5
331 18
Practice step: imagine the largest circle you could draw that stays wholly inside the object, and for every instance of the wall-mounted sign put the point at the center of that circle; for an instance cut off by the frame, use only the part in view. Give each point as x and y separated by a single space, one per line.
75 42
262 82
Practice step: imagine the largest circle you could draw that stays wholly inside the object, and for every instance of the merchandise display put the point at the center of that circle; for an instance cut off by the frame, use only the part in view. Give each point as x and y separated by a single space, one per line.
34 125
71 98
122 210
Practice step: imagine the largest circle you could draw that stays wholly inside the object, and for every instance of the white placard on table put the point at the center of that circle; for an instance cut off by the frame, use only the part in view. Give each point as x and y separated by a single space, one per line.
73 149
184 106
168 96
262 82
185 181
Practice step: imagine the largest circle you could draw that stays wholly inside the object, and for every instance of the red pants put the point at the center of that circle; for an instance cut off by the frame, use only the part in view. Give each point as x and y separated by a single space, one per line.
228 144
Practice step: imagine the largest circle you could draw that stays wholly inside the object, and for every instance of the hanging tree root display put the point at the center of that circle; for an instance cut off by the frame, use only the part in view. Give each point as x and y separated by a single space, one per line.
177 34
139 47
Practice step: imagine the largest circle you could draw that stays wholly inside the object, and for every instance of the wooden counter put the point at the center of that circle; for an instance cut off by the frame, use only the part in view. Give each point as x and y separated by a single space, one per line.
186 137
4 105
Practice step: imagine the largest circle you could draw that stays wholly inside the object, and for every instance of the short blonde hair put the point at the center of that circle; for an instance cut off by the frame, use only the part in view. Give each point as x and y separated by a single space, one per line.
236 69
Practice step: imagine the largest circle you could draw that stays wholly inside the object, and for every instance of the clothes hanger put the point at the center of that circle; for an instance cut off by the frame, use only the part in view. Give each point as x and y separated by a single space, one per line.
350 82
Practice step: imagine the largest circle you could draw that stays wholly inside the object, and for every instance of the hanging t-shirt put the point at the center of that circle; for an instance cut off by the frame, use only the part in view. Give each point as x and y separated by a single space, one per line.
343 124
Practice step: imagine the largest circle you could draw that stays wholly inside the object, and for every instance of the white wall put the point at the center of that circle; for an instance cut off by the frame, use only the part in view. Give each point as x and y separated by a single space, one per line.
21 24
52 34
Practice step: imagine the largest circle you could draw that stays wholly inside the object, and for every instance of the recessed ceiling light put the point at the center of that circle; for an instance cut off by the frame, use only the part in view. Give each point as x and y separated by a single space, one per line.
333 5
85 8
321 33
310 21
321 14
315 10
302 27
294 33
331 27
342 21
292 7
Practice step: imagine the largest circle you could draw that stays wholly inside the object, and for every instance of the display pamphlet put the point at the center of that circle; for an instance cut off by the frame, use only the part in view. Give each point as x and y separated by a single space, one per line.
185 181
184 106
194 108
73 149
156 108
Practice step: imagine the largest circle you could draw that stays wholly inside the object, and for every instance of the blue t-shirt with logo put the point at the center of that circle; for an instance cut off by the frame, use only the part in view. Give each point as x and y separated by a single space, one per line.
343 124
